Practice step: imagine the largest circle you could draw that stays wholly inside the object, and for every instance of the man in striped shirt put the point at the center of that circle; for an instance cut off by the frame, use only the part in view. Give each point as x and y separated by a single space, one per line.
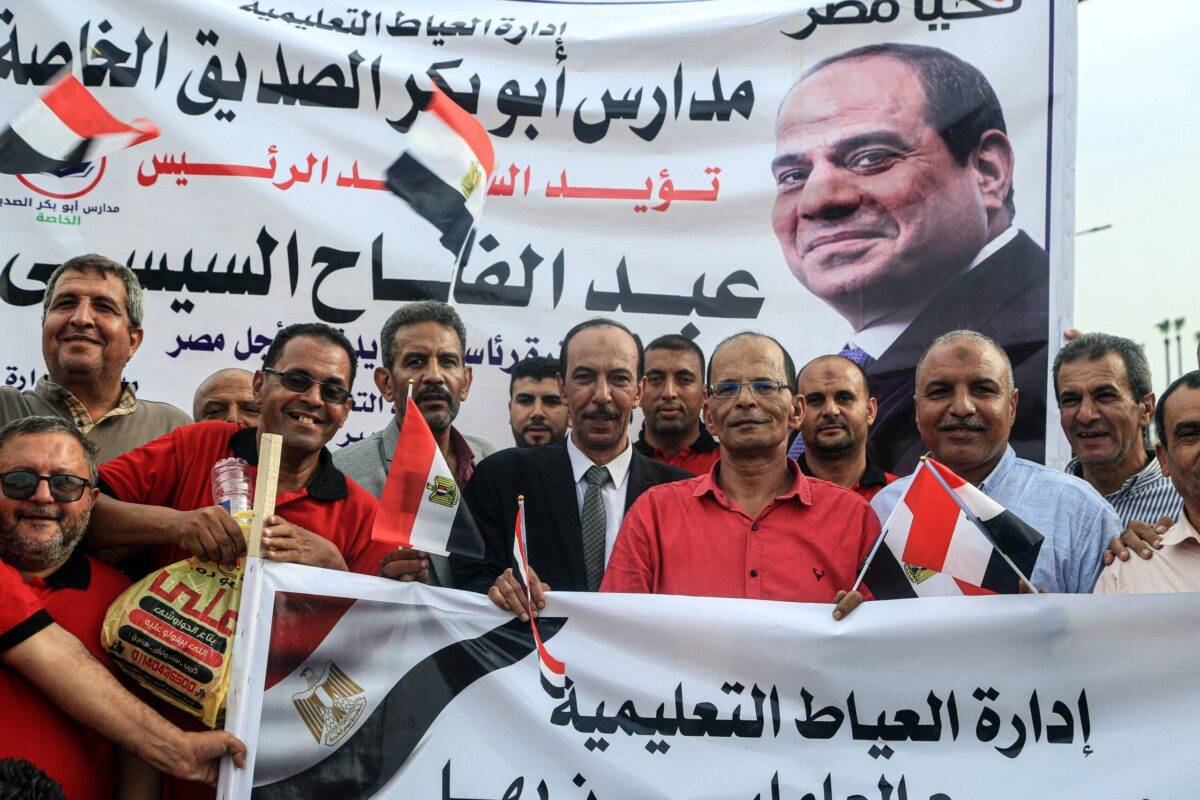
1105 404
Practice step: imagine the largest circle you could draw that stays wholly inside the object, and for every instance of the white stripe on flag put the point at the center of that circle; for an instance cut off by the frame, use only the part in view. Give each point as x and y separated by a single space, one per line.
898 527
44 132
968 553
433 522
443 152
978 503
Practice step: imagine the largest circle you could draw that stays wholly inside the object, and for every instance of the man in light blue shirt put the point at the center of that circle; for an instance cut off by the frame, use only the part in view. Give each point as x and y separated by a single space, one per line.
965 407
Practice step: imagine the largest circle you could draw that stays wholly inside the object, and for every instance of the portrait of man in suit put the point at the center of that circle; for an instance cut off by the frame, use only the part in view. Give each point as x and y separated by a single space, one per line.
895 206
577 490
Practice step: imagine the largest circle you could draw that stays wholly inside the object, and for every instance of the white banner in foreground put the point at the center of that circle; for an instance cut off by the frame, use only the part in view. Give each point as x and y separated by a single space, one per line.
379 689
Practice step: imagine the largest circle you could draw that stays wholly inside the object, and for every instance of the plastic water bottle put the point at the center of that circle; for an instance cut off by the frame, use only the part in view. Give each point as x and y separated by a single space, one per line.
231 485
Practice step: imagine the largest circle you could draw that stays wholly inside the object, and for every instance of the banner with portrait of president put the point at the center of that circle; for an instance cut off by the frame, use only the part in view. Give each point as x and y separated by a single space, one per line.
853 177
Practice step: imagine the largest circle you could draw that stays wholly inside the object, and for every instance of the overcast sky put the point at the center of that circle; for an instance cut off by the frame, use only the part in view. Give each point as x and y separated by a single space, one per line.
1139 169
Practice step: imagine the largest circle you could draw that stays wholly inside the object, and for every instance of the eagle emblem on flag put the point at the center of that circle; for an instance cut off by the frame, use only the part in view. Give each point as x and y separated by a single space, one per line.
331 705
443 491
917 574
471 180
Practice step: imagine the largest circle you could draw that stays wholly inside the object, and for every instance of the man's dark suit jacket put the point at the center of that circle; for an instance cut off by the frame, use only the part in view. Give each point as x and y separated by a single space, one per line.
554 538
1007 297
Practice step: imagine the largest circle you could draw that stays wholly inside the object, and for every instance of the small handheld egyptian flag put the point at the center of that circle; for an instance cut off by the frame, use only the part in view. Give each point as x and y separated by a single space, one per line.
945 538
421 506
554 672
65 127
443 173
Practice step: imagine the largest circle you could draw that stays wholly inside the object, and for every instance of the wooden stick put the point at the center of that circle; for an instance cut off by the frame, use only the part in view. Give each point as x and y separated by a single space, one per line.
269 448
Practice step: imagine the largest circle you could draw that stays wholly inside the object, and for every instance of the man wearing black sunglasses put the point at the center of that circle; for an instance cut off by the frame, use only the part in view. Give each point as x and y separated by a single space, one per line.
47 489
160 494
755 526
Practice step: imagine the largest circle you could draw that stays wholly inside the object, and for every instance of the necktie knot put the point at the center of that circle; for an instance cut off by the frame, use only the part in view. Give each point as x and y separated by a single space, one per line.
596 475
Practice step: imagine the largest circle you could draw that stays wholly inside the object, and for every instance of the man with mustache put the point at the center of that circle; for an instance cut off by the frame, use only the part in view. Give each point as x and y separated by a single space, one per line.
422 342
754 526
672 395
577 491
537 412
91 328
895 206
966 404
48 473
839 410
1175 567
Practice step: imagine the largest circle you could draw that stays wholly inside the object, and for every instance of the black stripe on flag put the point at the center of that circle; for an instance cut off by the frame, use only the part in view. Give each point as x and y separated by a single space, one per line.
18 157
885 577
1017 540
369 758
433 199
465 539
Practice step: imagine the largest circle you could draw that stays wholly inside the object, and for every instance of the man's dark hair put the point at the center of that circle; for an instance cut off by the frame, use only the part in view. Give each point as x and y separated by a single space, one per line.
417 312
1095 346
22 780
677 343
317 330
28 426
1189 379
960 103
98 263
789 367
597 322
862 372
536 368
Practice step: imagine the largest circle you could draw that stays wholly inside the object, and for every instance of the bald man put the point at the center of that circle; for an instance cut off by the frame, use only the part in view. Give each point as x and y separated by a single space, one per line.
226 395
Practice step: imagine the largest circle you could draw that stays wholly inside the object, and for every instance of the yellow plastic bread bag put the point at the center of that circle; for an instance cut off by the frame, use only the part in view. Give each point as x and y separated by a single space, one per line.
173 633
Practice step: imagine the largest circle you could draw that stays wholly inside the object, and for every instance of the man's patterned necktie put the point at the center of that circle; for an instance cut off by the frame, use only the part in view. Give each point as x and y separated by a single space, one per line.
593 522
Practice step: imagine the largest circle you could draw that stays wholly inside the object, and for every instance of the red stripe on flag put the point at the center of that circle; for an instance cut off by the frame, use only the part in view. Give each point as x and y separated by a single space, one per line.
935 514
465 125
971 590
405 486
83 114
952 480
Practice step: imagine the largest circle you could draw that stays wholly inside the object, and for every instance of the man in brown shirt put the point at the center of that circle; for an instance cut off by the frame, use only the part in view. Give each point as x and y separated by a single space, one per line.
91 327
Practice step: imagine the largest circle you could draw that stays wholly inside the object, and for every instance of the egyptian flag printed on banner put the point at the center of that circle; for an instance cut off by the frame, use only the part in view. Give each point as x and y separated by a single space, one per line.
933 548
421 506
66 127
443 173
554 672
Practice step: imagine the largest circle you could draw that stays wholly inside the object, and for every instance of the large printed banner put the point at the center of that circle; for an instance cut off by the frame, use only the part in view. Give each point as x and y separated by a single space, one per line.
694 167
353 687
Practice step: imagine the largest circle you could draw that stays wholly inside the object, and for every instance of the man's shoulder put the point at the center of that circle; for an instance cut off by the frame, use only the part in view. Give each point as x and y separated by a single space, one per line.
160 410
360 452
829 494
519 459
480 447
107 582
15 404
1064 484
657 471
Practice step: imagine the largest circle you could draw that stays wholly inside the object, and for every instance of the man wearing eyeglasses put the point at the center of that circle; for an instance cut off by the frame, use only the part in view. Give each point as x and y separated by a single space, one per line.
160 494
754 526
47 475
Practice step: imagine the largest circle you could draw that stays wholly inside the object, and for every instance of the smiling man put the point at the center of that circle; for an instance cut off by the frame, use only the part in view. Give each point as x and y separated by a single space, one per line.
965 407
160 494
895 207
421 342
1105 404
91 328
577 491
755 526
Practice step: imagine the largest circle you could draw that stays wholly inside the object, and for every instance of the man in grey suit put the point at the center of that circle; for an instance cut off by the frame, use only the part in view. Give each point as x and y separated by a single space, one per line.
422 342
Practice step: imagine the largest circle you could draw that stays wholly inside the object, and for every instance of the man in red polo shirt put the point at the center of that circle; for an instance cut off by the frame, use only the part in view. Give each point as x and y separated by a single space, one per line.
672 394
160 494
754 526
52 674
838 412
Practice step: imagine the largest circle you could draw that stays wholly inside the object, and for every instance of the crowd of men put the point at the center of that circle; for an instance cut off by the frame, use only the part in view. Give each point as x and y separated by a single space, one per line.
100 484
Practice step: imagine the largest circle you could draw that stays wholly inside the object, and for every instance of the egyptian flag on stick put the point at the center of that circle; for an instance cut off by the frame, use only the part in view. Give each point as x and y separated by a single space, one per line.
554 672
945 538
443 173
66 127
421 506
